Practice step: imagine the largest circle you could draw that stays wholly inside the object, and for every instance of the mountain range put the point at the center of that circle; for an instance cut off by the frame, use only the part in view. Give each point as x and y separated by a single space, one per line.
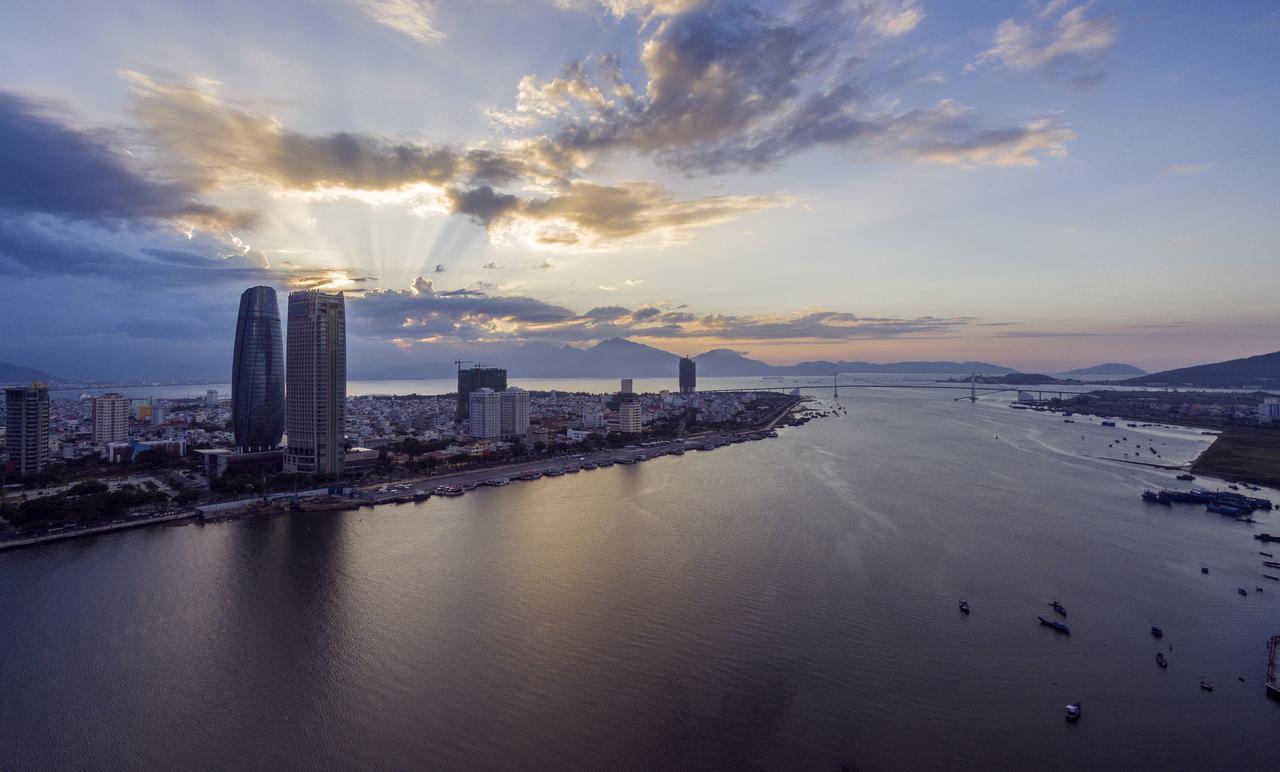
1106 370
619 357
16 375
1261 371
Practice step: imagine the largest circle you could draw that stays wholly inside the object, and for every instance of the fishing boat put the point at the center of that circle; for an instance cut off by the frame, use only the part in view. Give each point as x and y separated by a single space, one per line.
1156 632
1242 591
1160 660
1073 711
1058 607
1204 569
1186 477
964 606
1204 684
1056 625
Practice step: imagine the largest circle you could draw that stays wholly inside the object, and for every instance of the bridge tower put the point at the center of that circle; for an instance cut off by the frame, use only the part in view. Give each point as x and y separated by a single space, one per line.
973 387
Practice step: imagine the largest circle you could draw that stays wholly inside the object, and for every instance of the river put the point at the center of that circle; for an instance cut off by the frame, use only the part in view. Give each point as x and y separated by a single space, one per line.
781 604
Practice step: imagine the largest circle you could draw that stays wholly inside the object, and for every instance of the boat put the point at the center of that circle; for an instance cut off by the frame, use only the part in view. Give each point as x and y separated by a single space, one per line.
1273 653
554 472
608 462
1068 421
1272 578
590 465
532 474
1204 684
1160 660
1073 711
1108 423
1242 591
1267 554
1204 569
1222 509
1266 537
626 460
1058 607
497 482
1186 477
964 606
1156 632
1056 625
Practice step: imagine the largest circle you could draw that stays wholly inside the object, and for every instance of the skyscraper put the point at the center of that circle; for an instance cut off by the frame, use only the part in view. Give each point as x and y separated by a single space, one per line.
477 378
515 411
629 416
688 375
486 413
316 387
27 428
110 419
257 373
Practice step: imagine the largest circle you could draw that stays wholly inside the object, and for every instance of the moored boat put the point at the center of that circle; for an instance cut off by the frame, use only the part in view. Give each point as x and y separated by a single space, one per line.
1156 632
1160 660
1056 625
964 606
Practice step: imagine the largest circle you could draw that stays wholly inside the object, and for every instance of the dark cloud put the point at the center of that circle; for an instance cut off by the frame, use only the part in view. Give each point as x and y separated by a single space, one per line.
49 167
730 86
425 314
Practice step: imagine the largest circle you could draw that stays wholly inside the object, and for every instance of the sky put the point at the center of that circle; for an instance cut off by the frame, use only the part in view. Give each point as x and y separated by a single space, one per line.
1043 185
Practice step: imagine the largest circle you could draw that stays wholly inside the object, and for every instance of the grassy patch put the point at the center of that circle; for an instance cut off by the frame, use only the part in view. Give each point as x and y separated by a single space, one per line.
1246 453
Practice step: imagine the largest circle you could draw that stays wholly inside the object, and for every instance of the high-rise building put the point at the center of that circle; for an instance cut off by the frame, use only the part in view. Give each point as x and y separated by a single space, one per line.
159 412
316 386
629 416
211 396
110 419
477 378
515 411
26 430
688 375
257 373
486 413
627 386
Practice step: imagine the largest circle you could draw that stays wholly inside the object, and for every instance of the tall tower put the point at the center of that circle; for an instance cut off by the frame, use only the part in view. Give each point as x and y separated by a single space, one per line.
110 419
27 428
316 387
515 411
257 372
477 378
485 410
688 375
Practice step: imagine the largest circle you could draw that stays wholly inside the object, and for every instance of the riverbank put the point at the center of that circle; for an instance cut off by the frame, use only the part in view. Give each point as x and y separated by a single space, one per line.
1248 454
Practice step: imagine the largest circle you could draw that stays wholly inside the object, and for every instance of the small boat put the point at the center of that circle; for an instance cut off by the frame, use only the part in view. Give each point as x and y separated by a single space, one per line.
1073 711
1058 607
1204 684
964 606
1056 625
1186 477
1242 591
1160 660
1267 554
1156 632
1204 569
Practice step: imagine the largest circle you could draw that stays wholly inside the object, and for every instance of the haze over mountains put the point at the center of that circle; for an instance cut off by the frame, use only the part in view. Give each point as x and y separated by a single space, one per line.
1261 371
619 357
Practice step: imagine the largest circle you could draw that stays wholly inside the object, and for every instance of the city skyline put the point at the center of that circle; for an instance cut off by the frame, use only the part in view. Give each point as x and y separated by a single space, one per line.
1045 185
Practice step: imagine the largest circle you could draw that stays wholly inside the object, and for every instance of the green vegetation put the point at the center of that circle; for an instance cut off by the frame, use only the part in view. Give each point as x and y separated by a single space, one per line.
86 502
1246 453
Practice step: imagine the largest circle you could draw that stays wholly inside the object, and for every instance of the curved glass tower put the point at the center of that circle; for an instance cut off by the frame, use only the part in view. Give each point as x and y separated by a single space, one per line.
257 374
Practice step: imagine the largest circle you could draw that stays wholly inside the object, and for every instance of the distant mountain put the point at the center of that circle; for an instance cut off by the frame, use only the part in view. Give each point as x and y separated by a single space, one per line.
623 358
14 375
1261 371
1106 370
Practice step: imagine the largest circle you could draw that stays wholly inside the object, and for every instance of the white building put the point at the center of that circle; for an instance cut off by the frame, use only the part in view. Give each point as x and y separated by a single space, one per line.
211 396
629 417
1269 410
110 419
486 413
514 405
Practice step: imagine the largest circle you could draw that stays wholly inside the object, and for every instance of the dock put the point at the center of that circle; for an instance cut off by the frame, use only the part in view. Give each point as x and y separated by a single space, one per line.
1273 651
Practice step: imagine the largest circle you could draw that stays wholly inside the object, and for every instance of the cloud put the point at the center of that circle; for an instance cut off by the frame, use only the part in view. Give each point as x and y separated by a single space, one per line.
424 314
1186 170
729 87
1070 48
415 18
49 167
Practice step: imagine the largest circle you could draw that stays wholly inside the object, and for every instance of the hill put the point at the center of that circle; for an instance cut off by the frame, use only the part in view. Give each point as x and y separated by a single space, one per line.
1106 370
14 375
1256 372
